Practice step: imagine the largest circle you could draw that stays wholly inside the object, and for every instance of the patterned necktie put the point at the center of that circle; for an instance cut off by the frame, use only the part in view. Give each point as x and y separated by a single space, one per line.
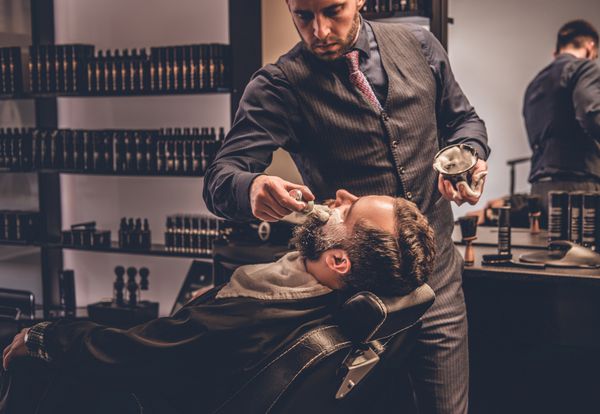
358 79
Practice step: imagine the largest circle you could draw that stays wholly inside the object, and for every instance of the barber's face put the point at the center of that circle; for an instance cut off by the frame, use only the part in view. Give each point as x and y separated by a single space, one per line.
314 237
328 28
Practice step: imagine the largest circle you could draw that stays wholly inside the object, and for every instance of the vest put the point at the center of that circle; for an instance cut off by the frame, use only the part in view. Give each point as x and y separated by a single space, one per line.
353 146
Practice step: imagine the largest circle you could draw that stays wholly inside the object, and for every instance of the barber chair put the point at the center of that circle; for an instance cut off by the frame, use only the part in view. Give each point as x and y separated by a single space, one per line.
342 367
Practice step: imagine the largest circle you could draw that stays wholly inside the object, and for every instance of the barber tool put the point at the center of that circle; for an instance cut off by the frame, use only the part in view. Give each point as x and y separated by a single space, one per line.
132 287
468 229
66 282
504 230
121 313
144 284
456 164
320 211
563 253
534 205
558 216
118 286
589 211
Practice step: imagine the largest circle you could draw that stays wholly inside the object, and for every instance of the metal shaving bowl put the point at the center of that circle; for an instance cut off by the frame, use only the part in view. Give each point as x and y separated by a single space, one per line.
456 163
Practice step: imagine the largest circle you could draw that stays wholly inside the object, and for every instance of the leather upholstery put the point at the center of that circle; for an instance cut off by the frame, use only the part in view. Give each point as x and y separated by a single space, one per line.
305 376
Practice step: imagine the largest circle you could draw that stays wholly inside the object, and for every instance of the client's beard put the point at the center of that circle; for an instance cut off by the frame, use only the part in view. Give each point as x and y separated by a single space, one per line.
313 237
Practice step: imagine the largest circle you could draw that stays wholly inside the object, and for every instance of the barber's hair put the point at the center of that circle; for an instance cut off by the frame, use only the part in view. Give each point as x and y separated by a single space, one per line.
575 33
388 264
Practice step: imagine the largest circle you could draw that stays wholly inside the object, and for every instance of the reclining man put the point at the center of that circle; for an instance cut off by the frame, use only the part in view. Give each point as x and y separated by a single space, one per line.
191 361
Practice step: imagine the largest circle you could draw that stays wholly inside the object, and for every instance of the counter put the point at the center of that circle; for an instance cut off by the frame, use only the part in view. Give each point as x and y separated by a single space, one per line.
534 334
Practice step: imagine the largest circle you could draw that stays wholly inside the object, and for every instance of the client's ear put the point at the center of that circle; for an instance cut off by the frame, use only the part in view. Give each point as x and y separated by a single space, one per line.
338 261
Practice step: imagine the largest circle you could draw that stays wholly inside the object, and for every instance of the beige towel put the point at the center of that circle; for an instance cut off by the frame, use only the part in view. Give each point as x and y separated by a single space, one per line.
287 278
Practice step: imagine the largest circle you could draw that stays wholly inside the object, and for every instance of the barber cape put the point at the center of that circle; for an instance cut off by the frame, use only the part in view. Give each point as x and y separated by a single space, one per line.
285 279
210 347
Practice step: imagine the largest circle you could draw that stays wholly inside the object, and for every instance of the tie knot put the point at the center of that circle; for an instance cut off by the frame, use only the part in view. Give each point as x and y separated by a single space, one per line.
352 60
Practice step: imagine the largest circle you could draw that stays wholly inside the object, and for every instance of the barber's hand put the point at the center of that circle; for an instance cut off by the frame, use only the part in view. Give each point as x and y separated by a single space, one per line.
16 349
270 199
465 193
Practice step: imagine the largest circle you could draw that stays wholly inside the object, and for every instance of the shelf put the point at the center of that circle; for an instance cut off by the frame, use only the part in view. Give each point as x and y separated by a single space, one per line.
103 173
19 243
62 95
392 15
156 250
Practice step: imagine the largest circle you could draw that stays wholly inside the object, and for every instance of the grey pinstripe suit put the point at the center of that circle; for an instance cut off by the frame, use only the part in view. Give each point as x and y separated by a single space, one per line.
339 141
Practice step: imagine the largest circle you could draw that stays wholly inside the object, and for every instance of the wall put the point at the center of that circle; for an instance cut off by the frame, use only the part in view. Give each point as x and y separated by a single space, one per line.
496 48
127 24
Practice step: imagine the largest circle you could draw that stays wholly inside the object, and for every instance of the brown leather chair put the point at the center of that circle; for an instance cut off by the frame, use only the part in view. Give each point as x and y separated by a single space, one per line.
343 367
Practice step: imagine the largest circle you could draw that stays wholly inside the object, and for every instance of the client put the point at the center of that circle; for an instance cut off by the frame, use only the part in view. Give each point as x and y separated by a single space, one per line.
194 360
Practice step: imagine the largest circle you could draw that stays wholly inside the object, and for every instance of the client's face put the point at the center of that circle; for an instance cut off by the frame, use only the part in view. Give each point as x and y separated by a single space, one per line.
314 237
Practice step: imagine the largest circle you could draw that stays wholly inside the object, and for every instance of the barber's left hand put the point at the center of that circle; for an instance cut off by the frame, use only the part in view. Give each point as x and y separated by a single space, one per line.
462 194
16 349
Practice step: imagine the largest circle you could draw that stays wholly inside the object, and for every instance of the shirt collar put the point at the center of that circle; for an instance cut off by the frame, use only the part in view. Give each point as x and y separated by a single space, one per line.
362 43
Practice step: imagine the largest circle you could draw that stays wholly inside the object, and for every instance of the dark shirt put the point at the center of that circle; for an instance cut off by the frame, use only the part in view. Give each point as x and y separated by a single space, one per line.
269 117
562 117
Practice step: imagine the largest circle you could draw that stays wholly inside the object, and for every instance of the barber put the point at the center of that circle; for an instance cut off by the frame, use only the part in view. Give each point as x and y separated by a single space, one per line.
562 115
363 106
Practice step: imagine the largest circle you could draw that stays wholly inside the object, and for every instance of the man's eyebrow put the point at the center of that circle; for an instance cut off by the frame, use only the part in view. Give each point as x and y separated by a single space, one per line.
333 6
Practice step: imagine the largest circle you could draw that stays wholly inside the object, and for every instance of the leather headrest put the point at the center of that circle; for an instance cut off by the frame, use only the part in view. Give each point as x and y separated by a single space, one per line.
366 317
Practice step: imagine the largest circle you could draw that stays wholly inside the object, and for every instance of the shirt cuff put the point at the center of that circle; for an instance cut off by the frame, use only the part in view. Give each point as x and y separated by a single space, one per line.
242 183
35 341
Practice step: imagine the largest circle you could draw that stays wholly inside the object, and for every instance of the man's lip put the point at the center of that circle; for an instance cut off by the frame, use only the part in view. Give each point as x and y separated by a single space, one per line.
327 46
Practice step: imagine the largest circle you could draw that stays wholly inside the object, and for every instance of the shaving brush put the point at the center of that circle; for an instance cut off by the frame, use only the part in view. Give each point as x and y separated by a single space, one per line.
534 205
468 230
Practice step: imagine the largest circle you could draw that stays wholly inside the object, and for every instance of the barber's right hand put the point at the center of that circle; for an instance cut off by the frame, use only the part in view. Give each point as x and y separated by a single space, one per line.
270 199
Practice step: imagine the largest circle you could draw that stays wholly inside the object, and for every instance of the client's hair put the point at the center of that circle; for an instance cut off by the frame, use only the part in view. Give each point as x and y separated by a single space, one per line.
391 265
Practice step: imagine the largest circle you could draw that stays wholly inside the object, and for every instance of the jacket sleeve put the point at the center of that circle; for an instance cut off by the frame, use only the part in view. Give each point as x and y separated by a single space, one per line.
456 118
264 122
586 98
146 353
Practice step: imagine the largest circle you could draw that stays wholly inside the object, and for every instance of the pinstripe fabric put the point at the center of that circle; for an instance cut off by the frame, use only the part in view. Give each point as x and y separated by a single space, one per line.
390 151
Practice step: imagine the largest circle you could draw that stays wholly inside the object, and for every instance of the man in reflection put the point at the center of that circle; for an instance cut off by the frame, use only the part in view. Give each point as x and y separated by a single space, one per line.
192 361
562 115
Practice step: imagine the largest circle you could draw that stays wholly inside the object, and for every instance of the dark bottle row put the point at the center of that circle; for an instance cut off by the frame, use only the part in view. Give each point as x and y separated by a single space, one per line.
190 68
169 151
397 7
78 70
11 72
574 216
194 233
58 68
19 226
135 234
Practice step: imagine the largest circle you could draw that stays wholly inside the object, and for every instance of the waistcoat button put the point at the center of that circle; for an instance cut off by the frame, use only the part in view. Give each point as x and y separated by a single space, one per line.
409 195
395 144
